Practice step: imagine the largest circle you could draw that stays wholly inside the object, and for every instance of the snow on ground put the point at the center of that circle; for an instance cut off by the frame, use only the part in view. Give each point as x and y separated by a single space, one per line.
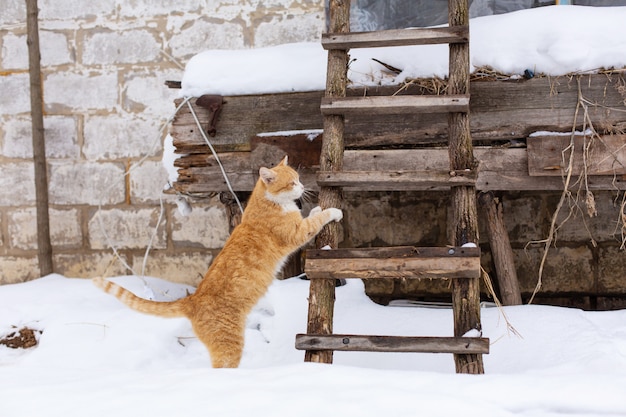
554 40
96 357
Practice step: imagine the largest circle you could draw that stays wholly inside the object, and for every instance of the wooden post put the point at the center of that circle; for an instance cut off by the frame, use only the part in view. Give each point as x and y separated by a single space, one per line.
322 291
44 247
465 292
501 249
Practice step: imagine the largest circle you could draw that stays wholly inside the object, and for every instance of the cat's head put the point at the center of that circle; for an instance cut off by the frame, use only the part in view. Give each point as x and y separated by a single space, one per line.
282 183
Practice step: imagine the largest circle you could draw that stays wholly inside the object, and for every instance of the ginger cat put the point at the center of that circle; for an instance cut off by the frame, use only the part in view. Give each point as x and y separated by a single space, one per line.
271 229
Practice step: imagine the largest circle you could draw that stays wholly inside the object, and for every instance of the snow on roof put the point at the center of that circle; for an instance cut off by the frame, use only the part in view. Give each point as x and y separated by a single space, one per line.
553 40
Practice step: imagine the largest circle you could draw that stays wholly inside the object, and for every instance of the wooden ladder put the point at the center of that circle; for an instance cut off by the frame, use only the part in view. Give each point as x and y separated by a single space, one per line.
459 263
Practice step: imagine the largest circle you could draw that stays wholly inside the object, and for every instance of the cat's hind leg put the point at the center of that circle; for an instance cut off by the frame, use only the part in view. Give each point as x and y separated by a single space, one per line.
225 346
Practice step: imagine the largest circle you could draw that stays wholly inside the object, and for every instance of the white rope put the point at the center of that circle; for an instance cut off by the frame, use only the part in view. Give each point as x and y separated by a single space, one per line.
126 173
162 208
219 163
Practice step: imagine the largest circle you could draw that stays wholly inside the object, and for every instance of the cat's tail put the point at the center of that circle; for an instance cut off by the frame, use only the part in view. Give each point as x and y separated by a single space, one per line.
177 308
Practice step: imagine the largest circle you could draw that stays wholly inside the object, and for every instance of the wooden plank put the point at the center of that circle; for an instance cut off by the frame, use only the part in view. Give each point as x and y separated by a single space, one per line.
603 155
500 110
415 344
396 180
395 105
394 252
372 263
395 37
499 169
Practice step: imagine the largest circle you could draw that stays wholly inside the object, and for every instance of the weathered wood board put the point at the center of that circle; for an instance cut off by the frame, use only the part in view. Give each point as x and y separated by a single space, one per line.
397 262
499 169
359 343
499 110
593 155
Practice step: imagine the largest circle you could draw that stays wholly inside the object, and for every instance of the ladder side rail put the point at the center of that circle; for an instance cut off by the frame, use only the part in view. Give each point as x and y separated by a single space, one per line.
322 292
465 292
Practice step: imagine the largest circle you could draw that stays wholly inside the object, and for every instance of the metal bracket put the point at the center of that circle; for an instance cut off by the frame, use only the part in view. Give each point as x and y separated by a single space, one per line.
213 103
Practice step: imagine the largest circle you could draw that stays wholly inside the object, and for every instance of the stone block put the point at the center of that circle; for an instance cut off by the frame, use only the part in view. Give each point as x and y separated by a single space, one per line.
73 182
145 91
54 50
201 34
567 270
80 91
185 268
612 270
107 47
17 184
60 134
578 226
89 265
13 12
290 28
65 231
15 89
143 8
525 218
71 10
204 227
120 137
126 229
16 269
147 182
394 219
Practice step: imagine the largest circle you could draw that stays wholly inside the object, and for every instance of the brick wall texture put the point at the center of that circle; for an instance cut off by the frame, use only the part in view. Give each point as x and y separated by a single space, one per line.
104 64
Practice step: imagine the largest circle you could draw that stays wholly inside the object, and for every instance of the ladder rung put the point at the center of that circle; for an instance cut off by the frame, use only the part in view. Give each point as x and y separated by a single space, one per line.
396 180
395 104
458 345
394 262
395 37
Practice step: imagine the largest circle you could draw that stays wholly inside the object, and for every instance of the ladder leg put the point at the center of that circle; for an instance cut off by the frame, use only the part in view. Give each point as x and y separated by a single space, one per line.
465 292
322 291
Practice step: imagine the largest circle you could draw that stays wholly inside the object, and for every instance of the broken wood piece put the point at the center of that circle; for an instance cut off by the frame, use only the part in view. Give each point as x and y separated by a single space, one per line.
501 249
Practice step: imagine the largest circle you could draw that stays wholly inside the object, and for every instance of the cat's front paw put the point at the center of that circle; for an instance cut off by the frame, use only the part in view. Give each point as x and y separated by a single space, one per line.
315 210
335 214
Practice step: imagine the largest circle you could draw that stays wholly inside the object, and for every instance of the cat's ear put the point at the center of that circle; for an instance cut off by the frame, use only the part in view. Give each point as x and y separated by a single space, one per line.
284 161
267 175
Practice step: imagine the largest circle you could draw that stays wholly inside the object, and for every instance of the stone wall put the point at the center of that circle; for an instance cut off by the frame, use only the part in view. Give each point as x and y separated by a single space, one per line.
585 268
104 65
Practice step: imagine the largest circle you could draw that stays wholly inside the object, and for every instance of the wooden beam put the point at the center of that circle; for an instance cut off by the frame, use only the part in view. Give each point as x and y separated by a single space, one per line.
395 37
594 155
395 105
501 110
415 344
503 169
396 180
402 262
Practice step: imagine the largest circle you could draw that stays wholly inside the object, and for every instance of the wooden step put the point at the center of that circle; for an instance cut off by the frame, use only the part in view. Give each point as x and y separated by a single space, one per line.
358 343
384 105
394 262
400 180
396 37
